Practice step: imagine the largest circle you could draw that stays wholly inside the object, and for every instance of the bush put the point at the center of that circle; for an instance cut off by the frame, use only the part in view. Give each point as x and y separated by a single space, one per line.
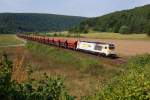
132 84
45 89
124 29
55 35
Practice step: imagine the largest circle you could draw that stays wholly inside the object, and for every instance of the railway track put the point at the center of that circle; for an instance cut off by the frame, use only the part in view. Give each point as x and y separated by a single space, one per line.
115 60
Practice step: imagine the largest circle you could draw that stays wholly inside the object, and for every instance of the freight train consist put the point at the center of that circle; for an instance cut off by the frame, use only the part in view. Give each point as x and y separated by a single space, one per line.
105 49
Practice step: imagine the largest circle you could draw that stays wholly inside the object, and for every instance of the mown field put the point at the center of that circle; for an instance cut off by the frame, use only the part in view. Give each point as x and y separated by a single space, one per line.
6 40
116 36
101 35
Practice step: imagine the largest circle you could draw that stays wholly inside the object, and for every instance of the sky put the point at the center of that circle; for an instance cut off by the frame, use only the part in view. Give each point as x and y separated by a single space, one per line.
86 8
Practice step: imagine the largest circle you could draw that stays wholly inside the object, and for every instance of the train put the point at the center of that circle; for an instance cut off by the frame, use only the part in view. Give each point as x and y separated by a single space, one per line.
98 48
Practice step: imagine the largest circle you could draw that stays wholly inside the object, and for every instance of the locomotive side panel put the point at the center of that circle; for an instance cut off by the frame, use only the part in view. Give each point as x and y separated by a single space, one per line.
85 46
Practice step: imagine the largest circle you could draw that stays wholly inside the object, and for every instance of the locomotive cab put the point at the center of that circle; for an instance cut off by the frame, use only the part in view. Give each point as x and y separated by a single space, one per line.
109 50
105 49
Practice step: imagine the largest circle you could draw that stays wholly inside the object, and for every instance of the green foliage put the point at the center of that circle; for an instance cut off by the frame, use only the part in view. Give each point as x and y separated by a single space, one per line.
136 19
59 58
45 89
132 84
124 30
5 76
30 22
79 29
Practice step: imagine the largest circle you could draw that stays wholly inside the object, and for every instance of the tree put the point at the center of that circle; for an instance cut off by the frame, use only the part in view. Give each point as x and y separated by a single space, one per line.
124 29
27 22
136 21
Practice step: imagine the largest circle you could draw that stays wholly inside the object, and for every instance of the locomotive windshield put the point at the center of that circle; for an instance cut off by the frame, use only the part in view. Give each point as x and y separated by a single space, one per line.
111 46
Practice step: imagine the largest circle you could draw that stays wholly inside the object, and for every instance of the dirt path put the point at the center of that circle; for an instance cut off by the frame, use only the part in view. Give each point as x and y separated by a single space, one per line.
18 45
24 41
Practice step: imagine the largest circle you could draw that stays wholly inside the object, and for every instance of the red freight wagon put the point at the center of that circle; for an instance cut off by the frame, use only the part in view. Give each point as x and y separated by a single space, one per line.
36 38
72 44
63 43
39 39
51 41
28 37
33 38
46 40
56 41
42 39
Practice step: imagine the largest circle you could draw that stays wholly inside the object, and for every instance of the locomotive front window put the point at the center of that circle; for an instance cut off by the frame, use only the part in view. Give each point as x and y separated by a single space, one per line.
111 47
98 47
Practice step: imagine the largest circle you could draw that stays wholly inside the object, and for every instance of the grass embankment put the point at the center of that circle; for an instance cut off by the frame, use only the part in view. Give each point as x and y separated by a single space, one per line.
83 73
132 84
6 40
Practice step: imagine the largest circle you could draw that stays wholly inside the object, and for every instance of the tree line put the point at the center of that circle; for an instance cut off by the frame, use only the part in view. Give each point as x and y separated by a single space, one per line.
33 22
135 20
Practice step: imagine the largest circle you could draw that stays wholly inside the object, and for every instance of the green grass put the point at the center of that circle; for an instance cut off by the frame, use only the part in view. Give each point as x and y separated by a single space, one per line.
9 40
58 57
116 36
102 35
81 71
132 84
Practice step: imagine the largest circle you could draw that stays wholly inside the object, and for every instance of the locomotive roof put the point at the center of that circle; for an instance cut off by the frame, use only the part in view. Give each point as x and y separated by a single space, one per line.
98 42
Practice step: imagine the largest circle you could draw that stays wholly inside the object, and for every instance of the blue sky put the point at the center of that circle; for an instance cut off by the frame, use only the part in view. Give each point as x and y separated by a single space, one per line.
88 8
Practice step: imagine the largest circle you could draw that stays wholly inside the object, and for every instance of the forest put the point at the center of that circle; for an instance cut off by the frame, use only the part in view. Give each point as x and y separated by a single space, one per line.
130 21
34 22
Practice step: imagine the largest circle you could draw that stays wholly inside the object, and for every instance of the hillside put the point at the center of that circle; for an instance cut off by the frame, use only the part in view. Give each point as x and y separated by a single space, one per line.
135 20
32 22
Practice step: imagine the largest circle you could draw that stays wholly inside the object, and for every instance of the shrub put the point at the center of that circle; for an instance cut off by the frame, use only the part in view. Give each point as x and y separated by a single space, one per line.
132 84
45 89
124 29
55 35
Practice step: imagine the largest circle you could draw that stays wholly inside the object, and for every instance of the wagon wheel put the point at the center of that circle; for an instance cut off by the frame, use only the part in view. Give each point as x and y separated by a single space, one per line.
66 45
103 55
59 44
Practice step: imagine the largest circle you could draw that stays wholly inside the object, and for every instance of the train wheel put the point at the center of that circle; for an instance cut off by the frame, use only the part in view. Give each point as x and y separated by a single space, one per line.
104 55
66 45
99 54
